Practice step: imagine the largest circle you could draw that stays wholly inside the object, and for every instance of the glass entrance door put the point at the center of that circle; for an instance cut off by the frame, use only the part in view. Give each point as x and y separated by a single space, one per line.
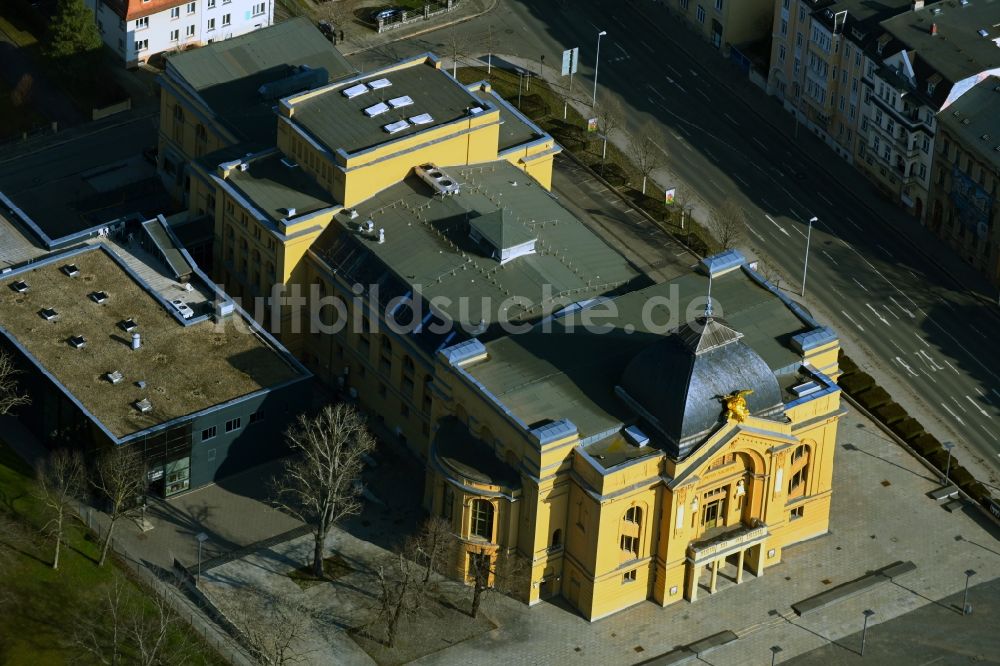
712 510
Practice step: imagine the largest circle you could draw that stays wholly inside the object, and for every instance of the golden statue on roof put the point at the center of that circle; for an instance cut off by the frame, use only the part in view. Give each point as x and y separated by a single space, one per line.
736 405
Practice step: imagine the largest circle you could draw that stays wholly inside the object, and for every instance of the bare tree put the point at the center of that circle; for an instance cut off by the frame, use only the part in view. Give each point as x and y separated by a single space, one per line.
728 222
432 544
120 479
401 592
132 629
610 118
322 484
769 273
60 483
457 47
9 395
502 572
645 153
272 626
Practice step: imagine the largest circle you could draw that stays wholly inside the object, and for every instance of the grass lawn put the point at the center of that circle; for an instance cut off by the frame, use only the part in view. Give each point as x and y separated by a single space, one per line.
47 604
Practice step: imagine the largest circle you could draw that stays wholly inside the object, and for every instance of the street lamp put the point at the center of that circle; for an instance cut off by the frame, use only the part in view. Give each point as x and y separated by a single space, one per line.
202 538
597 61
520 79
805 265
775 649
966 608
948 446
864 631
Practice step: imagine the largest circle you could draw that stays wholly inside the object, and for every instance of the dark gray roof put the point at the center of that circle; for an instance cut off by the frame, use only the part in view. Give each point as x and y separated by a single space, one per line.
681 380
974 118
501 230
465 456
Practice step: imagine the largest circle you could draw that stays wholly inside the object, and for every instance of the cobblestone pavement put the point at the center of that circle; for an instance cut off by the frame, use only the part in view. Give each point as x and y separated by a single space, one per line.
881 514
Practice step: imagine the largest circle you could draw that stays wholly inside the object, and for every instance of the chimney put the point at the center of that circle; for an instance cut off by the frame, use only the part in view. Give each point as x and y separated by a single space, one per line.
918 4
136 341
933 29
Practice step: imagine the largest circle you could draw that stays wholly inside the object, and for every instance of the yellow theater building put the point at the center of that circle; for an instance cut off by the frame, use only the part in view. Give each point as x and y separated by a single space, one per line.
662 454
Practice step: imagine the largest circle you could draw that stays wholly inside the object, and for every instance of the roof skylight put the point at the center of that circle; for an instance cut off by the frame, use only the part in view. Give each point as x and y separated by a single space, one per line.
379 83
397 126
422 119
376 109
354 91
399 102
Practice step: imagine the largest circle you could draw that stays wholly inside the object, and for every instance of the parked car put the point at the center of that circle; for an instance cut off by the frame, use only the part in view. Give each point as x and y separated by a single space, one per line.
182 308
326 28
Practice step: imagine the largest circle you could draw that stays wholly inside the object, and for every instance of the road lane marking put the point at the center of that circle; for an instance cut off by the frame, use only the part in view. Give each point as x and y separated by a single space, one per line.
622 49
710 155
755 232
821 196
693 73
827 255
981 334
896 345
884 250
889 310
908 368
730 119
703 94
878 314
648 47
766 203
758 142
912 316
858 282
657 92
853 223
851 319
780 228
924 342
929 360
676 73
952 367
960 405
976 405
737 177
953 414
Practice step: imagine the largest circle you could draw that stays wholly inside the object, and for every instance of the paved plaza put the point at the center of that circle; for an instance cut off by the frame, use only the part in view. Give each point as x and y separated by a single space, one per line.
881 514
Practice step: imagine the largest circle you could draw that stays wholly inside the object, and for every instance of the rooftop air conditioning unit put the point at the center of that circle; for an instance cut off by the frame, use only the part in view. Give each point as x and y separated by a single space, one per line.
71 270
440 181
48 314
114 377
144 405
20 286
77 341
98 296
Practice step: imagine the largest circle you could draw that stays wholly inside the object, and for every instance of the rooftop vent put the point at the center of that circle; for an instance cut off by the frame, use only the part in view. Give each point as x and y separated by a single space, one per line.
368 227
136 341
223 309
114 377
422 119
127 325
290 212
289 164
397 126
20 286
802 390
144 405
140 384
400 102
243 166
352 213
78 342
985 137
475 110
376 109
355 91
70 270
440 181
98 296
983 32
48 314
965 121
636 436
379 83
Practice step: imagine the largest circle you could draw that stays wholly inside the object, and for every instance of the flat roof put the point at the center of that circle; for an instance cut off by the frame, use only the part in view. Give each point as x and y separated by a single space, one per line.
228 74
274 187
975 118
65 188
957 51
427 247
186 369
340 122
515 128
571 373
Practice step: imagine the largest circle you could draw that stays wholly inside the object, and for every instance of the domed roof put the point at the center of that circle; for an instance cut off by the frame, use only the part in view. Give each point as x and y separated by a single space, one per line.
680 380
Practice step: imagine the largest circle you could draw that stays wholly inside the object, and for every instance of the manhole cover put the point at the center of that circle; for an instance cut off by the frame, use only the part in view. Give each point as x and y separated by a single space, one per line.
886 483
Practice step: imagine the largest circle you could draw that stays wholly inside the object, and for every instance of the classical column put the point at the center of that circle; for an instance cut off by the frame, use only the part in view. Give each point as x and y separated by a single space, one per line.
760 561
739 567
695 573
715 576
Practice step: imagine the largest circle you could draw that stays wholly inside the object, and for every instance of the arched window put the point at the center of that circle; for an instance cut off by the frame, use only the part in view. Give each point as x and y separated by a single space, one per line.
482 519
557 539
631 529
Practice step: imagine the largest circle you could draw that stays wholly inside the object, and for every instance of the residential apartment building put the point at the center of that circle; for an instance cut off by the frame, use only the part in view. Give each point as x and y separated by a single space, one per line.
138 29
869 78
965 209
727 22
447 294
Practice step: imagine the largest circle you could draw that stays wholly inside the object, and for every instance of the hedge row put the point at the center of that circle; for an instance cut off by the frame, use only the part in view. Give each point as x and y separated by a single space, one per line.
862 387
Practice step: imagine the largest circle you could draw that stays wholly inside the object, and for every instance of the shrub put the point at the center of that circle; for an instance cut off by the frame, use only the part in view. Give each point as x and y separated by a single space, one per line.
856 382
873 398
925 443
907 428
960 476
891 413
847 366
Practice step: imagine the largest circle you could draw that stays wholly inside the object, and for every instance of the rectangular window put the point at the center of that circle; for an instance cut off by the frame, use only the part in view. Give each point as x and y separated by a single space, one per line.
630 545
210 4
632 514
784 26
233 424
189 31
210 26
781 53
142 45
175 35
258 9
796 513
923 171
852 111
142 23
191 7
628 576
209 433
718 5
701 14
175 12
256 417
226 19
685 4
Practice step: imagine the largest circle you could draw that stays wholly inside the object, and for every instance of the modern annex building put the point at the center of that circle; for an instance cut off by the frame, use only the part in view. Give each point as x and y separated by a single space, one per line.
625 464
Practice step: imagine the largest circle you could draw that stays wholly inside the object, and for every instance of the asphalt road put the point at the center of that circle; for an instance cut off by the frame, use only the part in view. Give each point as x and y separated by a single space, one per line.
920 333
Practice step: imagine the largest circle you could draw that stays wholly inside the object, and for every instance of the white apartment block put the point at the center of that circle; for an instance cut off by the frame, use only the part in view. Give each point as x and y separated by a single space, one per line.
138 29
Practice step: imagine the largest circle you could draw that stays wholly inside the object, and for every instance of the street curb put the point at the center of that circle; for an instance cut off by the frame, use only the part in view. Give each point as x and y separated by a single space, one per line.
816 162
424 31
902 442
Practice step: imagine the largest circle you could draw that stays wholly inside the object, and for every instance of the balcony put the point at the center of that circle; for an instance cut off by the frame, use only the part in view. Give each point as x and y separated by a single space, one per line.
725 540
